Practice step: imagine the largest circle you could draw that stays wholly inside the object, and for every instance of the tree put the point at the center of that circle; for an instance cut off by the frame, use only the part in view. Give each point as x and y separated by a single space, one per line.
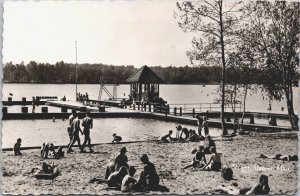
214 22
273 33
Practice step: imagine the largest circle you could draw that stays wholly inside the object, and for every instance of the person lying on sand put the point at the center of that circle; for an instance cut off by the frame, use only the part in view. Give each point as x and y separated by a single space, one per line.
260 188
46 171
117 138
164 138
129 183
17 147
281 157
149 179
120 160
199 159
194 137
214 162
48 151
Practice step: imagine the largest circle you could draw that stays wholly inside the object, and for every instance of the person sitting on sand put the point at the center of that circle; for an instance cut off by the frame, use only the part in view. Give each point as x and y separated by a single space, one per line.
210 143
115 179
117 138
164 138
149 179
281 157
214 162
205 126
129 182
17 147
183 130
48 151
194 137
199 123
120 160
199 159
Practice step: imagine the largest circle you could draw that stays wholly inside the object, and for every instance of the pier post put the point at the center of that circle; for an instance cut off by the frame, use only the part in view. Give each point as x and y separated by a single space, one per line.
207 114
44 109
64 109
82 109
149 107
145 107
23 100
9 99
139 107
193 112
273 121
175 111
133 106
142 107
24 109
4 110
180 111
168 109
228 119
252 119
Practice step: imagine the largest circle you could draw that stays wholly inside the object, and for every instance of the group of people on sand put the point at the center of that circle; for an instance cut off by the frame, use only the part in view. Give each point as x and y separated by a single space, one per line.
120 175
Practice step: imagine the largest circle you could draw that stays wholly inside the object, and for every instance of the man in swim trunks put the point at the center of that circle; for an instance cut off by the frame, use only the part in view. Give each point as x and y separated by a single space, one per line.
75 127
200 124
71 118
148 178
87 123
194 137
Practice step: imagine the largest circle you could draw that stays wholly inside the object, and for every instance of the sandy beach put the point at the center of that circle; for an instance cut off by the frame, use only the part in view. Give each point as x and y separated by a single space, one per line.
240 153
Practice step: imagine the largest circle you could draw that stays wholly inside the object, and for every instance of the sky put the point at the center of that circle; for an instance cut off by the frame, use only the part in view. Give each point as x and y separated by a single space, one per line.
111 32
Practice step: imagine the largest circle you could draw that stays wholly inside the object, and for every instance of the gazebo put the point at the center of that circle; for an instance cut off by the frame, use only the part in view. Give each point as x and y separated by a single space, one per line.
144 85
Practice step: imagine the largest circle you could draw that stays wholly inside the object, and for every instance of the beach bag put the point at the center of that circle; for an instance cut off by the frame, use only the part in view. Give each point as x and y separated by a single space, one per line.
227 173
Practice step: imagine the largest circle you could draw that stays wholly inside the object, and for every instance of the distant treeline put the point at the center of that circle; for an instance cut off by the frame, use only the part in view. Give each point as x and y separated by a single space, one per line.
90 73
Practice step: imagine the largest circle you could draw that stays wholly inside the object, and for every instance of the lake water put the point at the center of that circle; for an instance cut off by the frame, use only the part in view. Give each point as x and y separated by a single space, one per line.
35 132
174 94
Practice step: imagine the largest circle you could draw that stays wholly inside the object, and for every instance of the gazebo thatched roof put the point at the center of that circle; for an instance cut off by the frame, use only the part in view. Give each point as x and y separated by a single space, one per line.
144 75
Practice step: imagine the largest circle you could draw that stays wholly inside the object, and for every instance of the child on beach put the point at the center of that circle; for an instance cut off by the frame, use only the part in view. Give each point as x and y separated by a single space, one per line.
199 159
17 147
164 138
210 143
194 137
115 179
214 162
183 130
48 151
129 182
117 138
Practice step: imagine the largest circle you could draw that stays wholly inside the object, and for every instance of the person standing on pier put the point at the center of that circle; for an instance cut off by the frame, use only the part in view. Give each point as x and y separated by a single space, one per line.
87 123
75 128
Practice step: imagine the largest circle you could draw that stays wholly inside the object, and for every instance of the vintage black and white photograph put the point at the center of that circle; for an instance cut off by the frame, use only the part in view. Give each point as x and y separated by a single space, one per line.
117 97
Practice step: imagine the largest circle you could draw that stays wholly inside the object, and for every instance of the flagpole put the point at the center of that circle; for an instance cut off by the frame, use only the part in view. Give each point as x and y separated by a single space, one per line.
76 68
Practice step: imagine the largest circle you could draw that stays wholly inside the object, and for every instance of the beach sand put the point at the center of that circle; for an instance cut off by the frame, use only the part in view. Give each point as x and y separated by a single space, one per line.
241 154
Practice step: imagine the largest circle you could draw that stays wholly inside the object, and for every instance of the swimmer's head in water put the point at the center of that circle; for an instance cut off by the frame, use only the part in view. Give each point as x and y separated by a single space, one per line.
144 158
213 149
178 127
131 170
263 179
123 150
170 132
19 140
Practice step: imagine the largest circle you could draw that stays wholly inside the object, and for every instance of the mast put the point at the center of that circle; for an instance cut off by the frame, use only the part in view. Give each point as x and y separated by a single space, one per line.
76 69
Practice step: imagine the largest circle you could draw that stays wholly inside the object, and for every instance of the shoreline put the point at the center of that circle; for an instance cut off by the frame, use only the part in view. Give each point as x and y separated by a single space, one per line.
78 168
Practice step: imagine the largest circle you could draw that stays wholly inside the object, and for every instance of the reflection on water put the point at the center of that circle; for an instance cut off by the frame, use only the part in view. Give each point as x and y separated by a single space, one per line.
35 132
